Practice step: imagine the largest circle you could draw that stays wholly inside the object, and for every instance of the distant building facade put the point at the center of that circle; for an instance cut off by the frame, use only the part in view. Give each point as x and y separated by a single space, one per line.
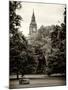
32 28
33 25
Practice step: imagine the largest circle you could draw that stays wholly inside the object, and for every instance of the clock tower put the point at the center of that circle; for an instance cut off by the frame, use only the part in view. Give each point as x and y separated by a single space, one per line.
33 25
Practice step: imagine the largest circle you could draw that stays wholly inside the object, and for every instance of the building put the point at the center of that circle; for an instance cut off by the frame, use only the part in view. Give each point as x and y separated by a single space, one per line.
32 29
33 25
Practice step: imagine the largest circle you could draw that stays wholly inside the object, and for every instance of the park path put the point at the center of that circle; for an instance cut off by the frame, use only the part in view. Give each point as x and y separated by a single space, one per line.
28 76
39 81
35 76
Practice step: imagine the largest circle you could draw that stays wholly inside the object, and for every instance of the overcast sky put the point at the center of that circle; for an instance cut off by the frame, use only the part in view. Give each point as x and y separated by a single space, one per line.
45 14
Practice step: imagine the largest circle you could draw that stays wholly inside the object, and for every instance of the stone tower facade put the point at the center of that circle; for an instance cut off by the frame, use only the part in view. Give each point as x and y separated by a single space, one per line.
32 30
33 26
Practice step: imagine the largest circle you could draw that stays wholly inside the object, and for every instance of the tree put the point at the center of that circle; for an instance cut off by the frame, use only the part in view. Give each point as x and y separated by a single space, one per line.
18 43
58 54
42 44
21 60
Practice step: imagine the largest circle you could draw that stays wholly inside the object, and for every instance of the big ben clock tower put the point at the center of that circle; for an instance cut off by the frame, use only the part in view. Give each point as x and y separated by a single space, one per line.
33 25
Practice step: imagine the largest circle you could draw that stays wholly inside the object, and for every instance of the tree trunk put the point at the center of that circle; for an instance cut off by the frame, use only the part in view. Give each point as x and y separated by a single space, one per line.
22 75
17 75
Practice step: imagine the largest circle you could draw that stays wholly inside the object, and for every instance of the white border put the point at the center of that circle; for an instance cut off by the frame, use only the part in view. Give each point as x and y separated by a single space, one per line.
4 44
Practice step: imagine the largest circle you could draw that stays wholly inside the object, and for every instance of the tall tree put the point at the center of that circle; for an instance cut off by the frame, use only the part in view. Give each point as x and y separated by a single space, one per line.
21 60
58 54
18 43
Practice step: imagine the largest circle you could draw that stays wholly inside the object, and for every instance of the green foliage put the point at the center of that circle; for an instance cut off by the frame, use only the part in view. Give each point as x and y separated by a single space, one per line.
18 43
13 17
21 59
57 59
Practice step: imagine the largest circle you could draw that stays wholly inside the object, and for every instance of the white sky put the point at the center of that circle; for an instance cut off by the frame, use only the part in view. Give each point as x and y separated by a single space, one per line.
45 14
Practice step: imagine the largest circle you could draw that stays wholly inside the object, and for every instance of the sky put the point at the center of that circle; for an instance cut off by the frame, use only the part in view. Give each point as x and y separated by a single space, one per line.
45 14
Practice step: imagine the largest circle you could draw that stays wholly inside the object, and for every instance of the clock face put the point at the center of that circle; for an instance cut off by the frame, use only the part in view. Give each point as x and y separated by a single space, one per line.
34 29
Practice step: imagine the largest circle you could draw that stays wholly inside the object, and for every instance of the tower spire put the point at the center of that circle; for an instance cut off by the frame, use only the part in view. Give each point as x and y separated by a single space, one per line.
33 17
33 12
33 25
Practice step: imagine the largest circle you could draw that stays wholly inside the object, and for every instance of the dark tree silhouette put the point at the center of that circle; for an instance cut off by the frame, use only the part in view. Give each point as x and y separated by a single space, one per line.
21 60
57 59
18 43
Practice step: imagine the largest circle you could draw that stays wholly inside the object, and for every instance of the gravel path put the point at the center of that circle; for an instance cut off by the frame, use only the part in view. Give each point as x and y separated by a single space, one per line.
39 82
